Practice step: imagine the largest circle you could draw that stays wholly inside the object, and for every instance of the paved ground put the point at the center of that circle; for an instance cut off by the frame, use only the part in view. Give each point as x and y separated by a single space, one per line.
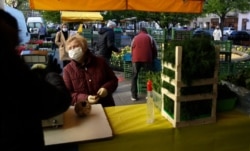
122 95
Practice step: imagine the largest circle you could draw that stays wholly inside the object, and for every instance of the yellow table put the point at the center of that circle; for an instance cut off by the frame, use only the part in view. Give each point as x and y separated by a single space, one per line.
231 132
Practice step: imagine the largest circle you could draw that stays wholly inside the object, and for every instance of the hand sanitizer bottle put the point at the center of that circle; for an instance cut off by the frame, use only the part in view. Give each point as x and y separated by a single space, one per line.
150 103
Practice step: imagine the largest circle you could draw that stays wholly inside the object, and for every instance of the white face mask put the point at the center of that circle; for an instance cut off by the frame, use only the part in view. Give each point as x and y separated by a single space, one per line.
64 29
76 53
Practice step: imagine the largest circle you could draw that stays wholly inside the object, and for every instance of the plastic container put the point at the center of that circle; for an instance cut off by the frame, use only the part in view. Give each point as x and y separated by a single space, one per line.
150 103
226 104
127 57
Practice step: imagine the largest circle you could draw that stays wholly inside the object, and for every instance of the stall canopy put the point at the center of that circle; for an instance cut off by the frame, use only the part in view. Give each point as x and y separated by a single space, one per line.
74 16
180 6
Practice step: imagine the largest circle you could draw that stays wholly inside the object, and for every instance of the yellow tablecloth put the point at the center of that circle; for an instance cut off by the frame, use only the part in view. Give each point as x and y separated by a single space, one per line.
231 132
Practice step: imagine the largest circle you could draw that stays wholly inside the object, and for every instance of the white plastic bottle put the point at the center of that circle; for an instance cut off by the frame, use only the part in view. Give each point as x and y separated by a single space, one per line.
150 103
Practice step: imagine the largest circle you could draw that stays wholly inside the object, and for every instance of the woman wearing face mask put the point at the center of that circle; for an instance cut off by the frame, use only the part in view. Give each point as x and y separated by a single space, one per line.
88 77
60 39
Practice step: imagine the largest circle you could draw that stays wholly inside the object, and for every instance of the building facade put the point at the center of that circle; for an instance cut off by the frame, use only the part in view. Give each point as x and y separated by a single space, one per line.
240 21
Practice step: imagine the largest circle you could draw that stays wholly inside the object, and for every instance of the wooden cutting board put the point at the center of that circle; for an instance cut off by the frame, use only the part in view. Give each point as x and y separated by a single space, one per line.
95 126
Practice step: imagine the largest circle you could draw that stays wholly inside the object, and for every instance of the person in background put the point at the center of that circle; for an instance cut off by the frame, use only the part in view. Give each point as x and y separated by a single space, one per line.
35 95
42 32
217 33
88 77
58 28
106 42
143 51
60 39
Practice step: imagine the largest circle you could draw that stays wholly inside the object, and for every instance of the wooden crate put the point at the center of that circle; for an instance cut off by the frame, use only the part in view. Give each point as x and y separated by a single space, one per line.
178 100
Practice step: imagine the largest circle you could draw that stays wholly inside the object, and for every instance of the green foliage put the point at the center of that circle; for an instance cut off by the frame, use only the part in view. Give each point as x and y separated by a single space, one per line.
189 110
196 89
169 73
162 18
198 62
198 58
168 105
51 31
239 78
155 77
169 53
223 7
168 86
51 16
195 109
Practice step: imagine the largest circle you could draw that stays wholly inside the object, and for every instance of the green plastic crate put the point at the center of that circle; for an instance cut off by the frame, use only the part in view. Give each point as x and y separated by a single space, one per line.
142 82
226 104
127 66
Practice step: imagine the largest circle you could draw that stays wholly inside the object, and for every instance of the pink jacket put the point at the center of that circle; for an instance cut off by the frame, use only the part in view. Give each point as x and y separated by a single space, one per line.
143 48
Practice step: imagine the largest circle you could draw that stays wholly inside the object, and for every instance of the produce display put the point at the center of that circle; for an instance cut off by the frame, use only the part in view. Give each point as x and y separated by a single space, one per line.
117 59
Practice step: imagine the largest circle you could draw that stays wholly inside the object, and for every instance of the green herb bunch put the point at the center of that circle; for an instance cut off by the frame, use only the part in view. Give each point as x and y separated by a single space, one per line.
198 58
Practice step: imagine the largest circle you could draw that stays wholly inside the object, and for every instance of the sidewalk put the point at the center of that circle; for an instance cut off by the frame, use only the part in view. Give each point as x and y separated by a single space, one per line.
122 95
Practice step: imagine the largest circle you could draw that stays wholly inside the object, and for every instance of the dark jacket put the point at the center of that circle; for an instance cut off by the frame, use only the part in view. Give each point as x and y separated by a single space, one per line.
26 99
85 80
106 43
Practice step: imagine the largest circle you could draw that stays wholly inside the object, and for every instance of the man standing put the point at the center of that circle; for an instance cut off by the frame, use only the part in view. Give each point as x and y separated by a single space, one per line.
143 52
42 32
217 33
106 42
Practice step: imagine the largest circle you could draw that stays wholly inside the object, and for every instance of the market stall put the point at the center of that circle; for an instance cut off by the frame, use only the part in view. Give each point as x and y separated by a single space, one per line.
76 16
184 6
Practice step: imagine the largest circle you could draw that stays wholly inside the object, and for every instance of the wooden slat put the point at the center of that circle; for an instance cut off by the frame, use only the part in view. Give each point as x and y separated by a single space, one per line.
178 98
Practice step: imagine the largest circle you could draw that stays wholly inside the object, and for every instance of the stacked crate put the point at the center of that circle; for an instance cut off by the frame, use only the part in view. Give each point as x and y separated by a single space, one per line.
230 68
160 38
88 34
240 66
47 46
142 81
225 69
225 48
127 66
176 106
181 34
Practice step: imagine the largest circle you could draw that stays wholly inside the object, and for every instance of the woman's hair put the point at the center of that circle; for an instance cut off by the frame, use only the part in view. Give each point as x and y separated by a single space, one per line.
79 39
63 24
